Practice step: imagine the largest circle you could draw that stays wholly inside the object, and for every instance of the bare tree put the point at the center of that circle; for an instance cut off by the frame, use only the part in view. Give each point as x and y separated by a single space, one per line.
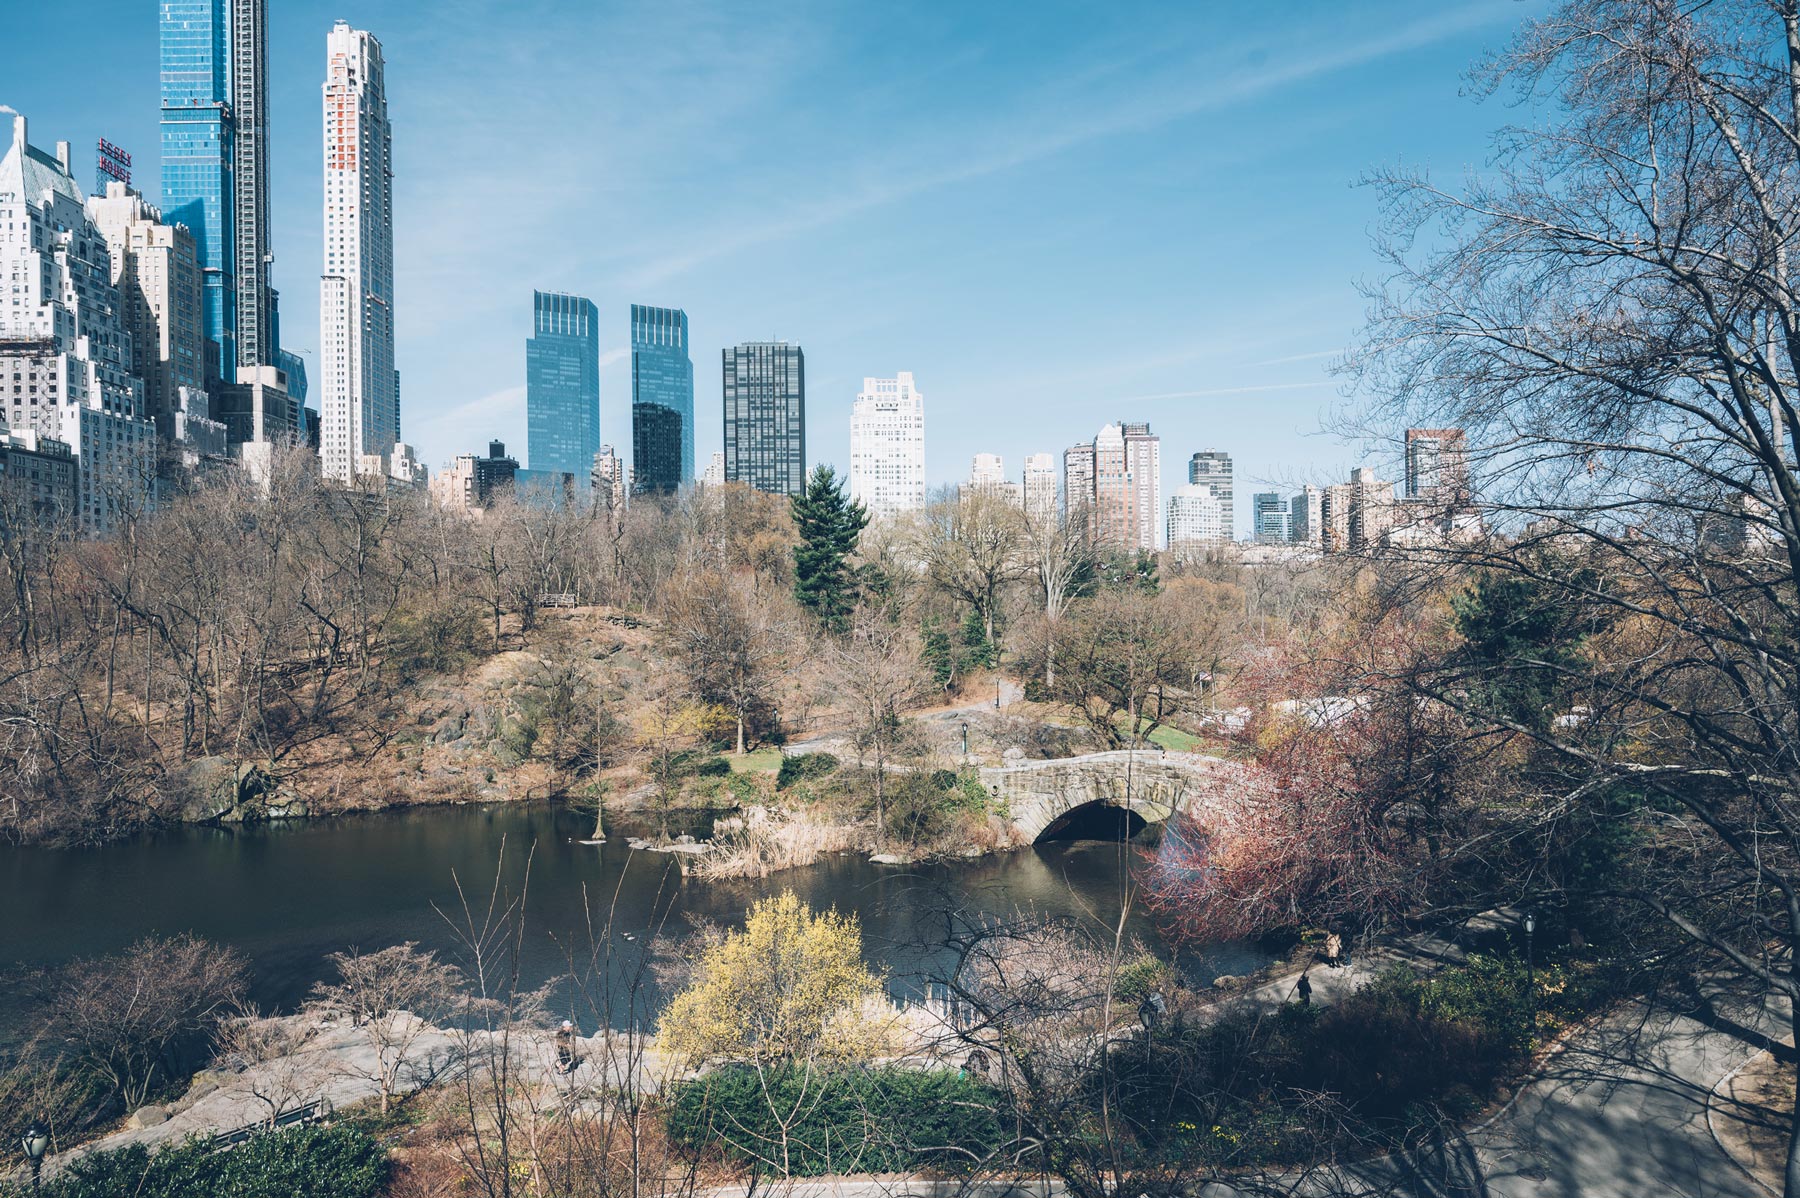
1611 314
730 636
974 548
129 1018
878 677
395 997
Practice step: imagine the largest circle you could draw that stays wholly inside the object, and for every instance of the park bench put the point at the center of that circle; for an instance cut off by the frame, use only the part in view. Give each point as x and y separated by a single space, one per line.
313 1112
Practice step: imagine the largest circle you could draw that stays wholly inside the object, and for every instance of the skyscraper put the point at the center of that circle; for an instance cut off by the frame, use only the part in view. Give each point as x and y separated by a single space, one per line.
662 400
215 176
765 416
1038 486
360 389
562 384
987 475
1143 465
887 446
1117 479
1213 468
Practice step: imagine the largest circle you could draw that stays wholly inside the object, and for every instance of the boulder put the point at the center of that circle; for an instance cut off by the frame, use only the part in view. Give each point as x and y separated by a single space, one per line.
147 1116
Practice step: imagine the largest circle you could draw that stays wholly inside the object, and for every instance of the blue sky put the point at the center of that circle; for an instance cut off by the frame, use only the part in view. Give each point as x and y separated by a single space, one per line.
1054 214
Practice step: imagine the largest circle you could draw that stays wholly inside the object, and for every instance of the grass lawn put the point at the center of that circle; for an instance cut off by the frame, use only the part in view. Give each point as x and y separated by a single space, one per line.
765 760
1173 739
1176 741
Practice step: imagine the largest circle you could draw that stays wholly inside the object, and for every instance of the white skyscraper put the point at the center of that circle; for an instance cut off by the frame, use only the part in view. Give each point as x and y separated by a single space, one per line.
887 446
360 401
65 343
1039 484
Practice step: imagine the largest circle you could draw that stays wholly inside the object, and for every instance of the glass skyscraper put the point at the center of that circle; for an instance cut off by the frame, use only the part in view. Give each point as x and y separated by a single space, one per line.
662 400
562 384
765 416
215 170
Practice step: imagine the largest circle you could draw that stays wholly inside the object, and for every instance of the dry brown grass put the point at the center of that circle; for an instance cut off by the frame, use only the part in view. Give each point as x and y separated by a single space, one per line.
768 840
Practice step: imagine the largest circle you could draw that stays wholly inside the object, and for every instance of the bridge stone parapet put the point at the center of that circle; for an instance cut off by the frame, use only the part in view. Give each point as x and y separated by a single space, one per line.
1151 784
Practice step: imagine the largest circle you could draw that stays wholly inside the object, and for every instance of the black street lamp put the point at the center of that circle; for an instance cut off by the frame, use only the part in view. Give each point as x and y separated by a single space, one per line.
1531 963
965 725
35 1141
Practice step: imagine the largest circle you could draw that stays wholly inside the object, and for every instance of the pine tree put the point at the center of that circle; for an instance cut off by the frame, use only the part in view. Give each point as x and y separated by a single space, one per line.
829 525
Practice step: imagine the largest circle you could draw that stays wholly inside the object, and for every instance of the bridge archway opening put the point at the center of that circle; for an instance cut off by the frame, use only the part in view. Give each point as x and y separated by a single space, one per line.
1094 821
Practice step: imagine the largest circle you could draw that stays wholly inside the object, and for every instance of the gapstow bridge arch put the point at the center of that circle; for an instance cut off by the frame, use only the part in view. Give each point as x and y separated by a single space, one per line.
1049 800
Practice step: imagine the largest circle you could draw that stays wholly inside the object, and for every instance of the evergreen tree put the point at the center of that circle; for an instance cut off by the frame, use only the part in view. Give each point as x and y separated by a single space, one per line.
829 524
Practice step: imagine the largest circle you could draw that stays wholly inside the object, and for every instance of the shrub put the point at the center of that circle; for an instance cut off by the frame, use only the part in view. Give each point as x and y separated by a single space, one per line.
1138 979
876 1120
713 767
801 767
301 1162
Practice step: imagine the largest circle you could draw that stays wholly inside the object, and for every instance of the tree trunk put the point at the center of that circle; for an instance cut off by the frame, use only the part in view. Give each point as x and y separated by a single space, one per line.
740 731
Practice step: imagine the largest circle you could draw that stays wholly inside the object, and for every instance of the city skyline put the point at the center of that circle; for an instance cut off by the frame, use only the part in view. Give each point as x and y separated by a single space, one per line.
1231 333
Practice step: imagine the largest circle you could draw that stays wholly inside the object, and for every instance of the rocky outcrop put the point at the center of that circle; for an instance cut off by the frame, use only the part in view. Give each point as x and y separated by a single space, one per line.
220 790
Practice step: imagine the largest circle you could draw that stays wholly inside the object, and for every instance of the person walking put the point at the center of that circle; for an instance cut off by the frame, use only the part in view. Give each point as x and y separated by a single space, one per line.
1304 989
1334 950
565 1047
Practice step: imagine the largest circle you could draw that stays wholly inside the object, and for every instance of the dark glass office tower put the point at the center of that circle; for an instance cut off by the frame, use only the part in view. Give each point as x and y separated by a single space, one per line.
662 400
215 175
562 384
765 416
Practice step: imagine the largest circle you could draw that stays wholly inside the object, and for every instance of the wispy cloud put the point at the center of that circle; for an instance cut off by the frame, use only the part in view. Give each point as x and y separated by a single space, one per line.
1137 115
1314 356
1214 392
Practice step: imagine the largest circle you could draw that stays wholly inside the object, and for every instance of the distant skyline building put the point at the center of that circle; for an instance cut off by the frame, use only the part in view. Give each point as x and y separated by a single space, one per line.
1117 480
359 392
1270 518
473 482
562 384
764 389
65 345
1038 486
887 446
662 400
1196 518
1306 517
158 277
607 482
1213 467
1078 481
714 474
1437 467
987 475
215 167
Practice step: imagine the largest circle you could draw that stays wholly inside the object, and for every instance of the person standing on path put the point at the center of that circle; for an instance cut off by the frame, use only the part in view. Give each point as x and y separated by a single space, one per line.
1334 950
565 1047
1304 989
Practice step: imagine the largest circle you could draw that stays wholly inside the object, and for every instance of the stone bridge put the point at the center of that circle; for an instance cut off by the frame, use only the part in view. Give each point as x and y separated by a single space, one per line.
1042 797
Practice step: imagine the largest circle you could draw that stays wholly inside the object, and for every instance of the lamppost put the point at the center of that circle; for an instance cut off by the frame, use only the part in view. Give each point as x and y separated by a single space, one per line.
965 725
1150 1013
1531 963
35 1141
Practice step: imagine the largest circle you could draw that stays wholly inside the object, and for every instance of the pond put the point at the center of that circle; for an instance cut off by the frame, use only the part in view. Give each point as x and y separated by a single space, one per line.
288 894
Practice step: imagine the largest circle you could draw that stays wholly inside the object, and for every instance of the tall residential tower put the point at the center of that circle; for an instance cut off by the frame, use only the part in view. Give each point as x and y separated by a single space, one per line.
360 389
562 384
887 446
765 416
662 400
